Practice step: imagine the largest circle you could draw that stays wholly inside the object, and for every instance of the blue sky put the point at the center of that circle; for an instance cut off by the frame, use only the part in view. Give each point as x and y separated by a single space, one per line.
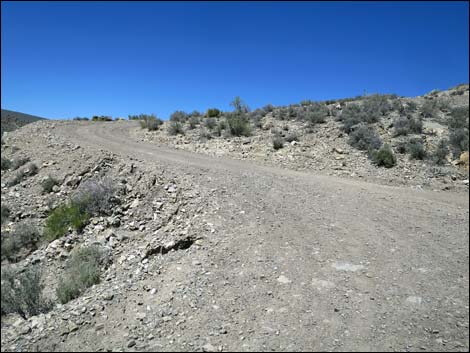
61 60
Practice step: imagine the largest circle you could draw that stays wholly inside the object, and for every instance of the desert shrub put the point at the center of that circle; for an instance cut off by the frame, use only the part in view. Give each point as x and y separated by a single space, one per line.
204 135
23 237
458 139
416 149
210 123
95 197
306 103
429 109
402 147
5 213
239 106
281 114
154 124
82 271
293 136
213 113
384 157
268 108
175 128
48 183
351 116
221 126
27 171
364 137
65 216
238 125
441 152
81 119
6 164
195 114
278 142
150 122
257 118
459 118
19 162
193 122
21 292
411 107
405 125
376 104
179 116
101 118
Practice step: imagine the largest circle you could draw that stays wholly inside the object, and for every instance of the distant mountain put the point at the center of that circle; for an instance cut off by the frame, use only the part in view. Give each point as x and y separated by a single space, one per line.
12 120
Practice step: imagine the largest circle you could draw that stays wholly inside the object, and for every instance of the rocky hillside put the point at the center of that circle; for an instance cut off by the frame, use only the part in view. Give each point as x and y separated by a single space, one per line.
11 120
428 136
132 213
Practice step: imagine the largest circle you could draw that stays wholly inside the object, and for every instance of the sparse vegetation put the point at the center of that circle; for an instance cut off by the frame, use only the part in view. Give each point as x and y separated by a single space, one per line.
441 152
213 113
101 118
293 136
238 125
175 128
193 122
22 292
5 213
353 114
19 162
405 125
23 238
364 138
210 123
384 157
82 271
27 171
179 116
48 184
278 142
6 163
81 119
458 139
429 109
416 149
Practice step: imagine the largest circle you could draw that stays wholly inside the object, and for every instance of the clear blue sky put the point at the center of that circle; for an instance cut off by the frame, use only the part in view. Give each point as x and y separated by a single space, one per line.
61 60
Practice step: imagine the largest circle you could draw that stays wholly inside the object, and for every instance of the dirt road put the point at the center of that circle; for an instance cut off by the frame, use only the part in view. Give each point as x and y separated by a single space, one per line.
304 262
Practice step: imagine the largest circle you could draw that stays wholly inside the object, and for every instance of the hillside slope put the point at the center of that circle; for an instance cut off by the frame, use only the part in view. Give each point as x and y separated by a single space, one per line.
11 120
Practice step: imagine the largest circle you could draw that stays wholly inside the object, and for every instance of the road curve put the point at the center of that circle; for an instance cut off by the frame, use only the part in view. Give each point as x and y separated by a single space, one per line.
322 263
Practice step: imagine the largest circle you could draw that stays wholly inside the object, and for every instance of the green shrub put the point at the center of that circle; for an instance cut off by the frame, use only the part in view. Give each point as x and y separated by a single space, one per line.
6 164
64 217
175 128
82 271
149 122
23 238
239 106
383 157
278 142
213 113
21 292
441 152
238 125
210 123
5 213
416 149
268 108
204 135
364 137
101 118
48 183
